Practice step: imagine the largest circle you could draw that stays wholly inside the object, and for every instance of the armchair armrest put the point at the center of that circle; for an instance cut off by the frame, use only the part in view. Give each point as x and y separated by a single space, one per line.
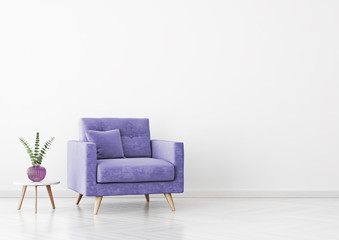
81 167
172 152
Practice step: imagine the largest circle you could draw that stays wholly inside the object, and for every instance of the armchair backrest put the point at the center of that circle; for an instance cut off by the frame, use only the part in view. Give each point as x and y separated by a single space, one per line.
135 133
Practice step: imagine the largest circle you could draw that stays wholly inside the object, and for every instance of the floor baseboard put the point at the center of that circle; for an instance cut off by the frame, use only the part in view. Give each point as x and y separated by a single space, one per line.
64 193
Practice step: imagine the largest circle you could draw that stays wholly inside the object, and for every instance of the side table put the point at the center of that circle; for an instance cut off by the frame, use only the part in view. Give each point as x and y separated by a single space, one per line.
27 183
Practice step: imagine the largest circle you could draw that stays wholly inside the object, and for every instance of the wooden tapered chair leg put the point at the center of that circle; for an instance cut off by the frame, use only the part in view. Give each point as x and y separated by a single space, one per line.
169 199
147 197
97 203
22 196
78 199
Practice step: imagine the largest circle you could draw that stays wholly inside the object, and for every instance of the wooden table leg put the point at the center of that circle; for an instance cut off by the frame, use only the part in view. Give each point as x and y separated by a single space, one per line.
24 187
49 190
36 199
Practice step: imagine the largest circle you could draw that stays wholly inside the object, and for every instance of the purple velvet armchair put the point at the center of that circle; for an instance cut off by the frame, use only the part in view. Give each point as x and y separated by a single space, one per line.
146 167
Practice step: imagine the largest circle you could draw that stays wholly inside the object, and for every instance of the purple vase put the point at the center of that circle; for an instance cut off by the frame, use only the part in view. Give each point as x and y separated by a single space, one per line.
36 173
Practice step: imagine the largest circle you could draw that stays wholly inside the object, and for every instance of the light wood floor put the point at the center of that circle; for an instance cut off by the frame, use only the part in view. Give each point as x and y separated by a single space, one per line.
195 218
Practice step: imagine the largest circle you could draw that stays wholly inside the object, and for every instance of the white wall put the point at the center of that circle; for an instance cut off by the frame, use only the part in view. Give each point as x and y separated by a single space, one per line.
250 87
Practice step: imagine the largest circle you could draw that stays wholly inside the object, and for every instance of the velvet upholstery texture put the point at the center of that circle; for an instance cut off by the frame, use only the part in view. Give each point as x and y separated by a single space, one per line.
134 170
108 143
82 163
135 134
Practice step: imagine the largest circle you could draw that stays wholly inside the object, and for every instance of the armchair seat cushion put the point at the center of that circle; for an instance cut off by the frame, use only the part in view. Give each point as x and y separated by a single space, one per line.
134 170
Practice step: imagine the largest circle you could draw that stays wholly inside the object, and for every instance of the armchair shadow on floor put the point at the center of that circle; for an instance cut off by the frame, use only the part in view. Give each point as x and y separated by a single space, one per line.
146 167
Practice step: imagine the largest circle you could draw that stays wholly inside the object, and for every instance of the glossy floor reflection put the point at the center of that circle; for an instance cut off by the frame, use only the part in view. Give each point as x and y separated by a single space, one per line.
195 218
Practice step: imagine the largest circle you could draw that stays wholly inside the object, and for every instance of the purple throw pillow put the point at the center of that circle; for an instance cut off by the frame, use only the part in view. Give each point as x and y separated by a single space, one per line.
108 143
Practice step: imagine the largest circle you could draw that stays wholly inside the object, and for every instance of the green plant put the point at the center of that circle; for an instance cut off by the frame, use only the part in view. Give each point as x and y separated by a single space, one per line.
37 155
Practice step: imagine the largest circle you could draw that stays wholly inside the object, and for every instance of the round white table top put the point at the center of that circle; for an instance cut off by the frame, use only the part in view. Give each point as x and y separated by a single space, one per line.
30 183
